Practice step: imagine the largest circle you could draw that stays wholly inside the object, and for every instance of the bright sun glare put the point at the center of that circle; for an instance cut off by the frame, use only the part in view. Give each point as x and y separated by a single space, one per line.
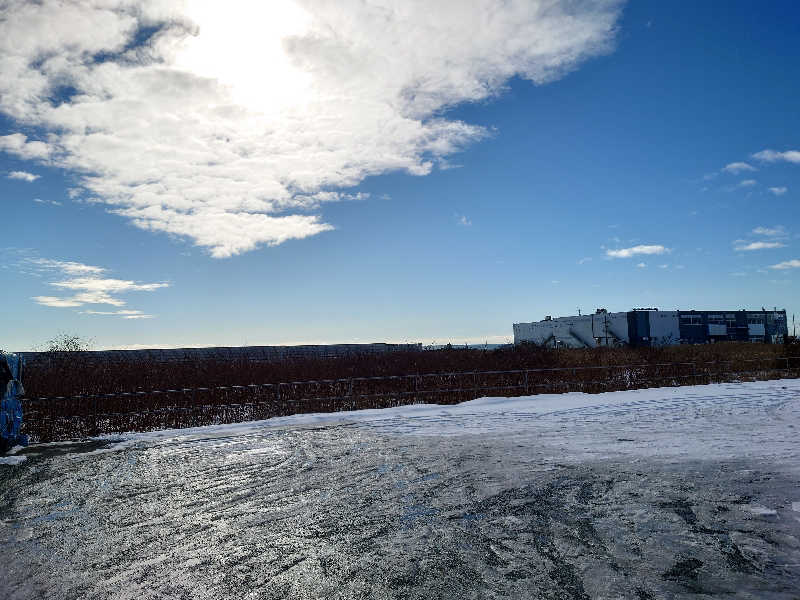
240 43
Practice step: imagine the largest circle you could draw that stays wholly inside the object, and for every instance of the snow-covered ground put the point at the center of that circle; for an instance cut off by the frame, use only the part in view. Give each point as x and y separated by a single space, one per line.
727 420
689 492
12 460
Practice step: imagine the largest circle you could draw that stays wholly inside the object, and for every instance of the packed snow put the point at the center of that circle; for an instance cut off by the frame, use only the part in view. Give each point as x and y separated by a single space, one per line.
749 420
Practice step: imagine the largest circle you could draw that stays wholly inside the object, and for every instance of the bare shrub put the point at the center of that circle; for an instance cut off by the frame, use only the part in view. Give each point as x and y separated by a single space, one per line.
65 342
79 372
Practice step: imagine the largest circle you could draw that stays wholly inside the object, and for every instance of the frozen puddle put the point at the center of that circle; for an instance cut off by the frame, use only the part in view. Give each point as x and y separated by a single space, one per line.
665 493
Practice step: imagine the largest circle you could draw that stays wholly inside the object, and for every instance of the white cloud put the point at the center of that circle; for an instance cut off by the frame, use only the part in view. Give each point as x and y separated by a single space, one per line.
584 260
664 266
778 191
738 167
89 286
742 247
792 156
51 202
747 183
125 314
97 285
227 123
787 264
641 265
113 312
56 302
776 231
23 176
67 267
635 250
16 143
464 221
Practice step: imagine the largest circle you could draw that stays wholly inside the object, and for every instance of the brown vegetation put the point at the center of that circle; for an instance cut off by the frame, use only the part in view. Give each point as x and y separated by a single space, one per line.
70 373
88 396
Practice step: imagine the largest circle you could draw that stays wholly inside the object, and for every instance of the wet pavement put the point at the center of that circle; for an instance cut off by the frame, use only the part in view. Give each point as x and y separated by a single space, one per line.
343 511
687 492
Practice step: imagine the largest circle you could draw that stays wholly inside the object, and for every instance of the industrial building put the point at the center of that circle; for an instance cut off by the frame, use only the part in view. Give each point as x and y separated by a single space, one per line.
653 327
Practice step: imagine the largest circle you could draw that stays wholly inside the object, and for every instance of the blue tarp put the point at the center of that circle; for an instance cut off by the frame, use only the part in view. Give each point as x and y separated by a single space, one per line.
10 405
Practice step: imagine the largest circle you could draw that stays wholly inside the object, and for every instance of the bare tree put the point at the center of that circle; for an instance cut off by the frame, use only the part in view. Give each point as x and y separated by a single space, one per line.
65 342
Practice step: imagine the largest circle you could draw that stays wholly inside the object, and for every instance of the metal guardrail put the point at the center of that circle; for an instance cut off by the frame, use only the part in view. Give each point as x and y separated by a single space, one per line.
59 418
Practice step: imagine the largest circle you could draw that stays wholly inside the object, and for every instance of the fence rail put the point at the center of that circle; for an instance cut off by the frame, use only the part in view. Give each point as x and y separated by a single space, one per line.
61 418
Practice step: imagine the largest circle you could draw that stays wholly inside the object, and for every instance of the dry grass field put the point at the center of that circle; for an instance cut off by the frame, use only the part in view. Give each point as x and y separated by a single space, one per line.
70 374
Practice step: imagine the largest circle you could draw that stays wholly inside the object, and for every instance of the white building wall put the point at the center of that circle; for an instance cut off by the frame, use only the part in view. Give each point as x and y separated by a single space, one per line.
664 327
576 332
590 330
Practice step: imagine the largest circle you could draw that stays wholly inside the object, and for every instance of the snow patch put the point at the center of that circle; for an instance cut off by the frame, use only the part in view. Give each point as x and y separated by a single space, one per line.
718 421
761 511
12 460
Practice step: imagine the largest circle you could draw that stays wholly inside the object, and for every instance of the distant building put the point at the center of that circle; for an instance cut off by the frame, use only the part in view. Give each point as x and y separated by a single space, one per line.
653 327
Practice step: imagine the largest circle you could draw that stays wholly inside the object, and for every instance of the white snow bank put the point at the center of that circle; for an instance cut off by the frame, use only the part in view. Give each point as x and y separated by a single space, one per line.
749 420
12 460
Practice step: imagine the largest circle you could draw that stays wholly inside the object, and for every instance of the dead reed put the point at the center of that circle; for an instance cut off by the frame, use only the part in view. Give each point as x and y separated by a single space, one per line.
81 373
94 397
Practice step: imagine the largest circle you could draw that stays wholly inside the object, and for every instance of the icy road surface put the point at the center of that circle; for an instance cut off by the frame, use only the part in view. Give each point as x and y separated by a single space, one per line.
689 492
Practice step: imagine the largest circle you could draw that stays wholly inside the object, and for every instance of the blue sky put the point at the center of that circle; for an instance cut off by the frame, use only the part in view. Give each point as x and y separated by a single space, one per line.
513 185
